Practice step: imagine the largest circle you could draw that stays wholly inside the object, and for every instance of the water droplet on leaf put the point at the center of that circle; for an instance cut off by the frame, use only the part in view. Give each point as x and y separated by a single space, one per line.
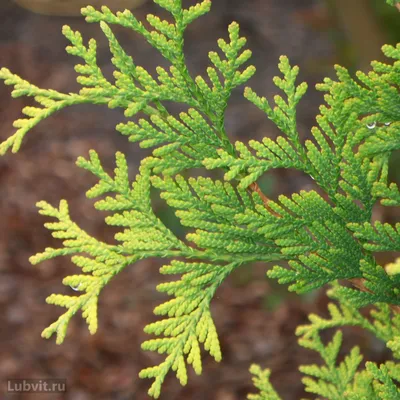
372 125
387 123
76 288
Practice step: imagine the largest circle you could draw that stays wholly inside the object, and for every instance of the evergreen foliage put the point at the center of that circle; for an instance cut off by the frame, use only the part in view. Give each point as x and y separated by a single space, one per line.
325 235
261 382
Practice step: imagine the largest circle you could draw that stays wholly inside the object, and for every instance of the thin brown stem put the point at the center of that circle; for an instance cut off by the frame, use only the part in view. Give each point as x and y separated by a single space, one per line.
359 284
356 282
255 188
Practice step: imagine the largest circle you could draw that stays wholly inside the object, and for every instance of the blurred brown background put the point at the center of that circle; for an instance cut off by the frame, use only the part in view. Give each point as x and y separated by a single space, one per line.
255 318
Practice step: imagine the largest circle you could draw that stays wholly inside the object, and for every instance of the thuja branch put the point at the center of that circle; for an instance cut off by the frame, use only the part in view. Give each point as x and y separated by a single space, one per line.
324 237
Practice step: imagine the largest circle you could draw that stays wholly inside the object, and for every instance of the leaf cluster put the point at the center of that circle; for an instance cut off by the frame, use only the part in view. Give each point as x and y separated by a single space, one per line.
319 236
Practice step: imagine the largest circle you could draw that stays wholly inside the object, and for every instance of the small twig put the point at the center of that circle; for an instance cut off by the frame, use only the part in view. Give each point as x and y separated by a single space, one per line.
255 188
356 282
359 284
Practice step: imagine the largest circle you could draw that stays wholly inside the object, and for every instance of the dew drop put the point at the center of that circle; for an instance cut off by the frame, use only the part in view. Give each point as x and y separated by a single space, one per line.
387 123
371 126
75 288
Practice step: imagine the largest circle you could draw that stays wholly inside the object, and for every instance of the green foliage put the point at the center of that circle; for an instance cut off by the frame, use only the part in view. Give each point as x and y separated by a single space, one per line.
188 321
382 322
261 382
337 381
343 380
331 380
213 209
285 152
386 379
324 235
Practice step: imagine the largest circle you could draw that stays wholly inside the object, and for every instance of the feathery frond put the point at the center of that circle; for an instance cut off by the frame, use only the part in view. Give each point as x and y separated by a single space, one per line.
261 382
324 235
